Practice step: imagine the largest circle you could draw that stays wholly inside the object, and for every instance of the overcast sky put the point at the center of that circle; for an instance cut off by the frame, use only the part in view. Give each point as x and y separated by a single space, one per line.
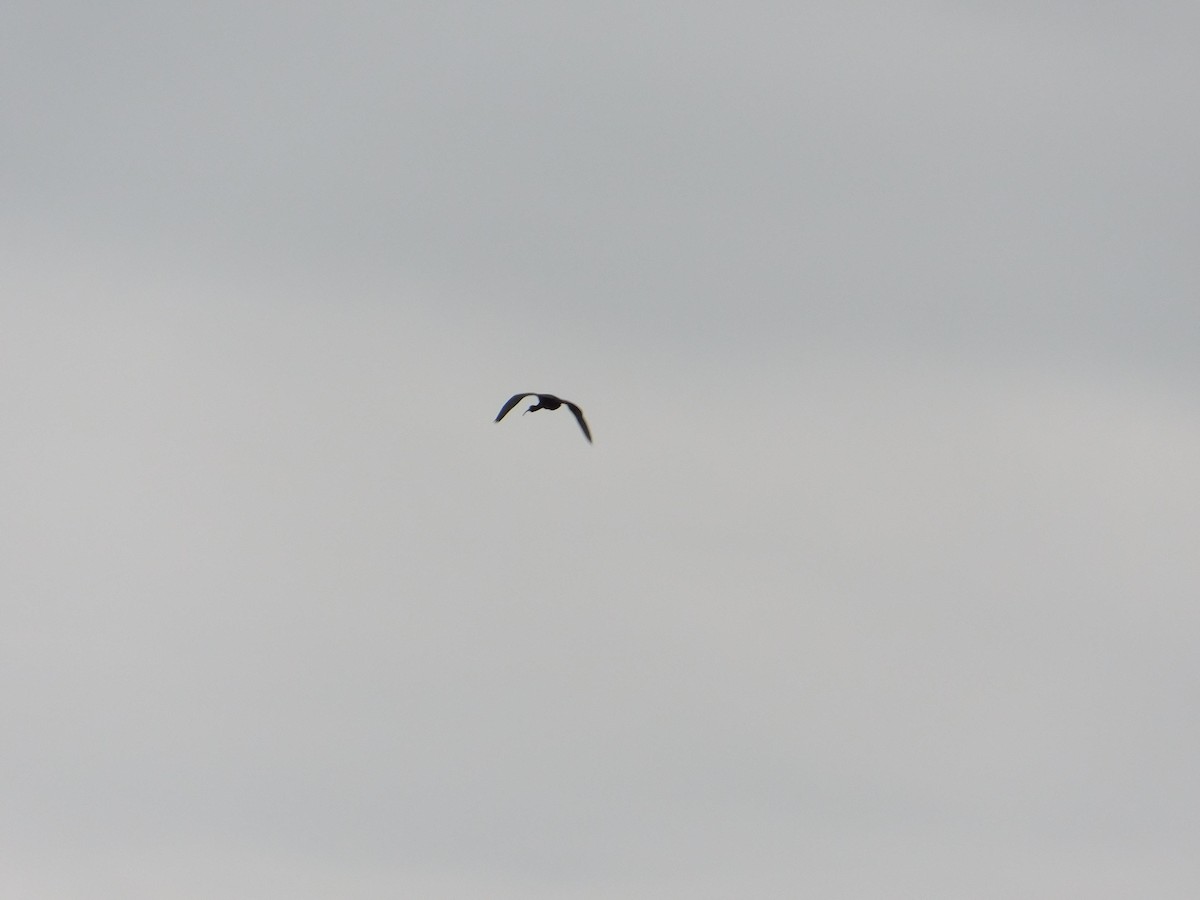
880 580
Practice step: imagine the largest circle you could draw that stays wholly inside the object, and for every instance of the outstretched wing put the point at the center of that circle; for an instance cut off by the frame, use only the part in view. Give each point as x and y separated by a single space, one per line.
513 401
587 433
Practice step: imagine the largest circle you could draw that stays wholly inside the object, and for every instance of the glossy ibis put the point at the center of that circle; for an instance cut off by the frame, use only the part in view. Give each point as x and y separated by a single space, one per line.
546 401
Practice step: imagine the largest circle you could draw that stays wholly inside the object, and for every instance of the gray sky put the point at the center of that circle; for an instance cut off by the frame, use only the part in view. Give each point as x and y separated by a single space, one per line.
879 581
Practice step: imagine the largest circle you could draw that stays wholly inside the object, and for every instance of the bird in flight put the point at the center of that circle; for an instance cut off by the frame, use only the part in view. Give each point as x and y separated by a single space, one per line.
546 401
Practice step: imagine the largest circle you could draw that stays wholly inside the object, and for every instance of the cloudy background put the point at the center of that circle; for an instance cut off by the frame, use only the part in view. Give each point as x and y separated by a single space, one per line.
880 579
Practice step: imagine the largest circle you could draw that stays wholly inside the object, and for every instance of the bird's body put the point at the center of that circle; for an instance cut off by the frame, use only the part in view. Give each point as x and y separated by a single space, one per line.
546 401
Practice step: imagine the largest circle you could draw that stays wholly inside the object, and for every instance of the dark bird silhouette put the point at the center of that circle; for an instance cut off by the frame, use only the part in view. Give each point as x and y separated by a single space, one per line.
546 401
